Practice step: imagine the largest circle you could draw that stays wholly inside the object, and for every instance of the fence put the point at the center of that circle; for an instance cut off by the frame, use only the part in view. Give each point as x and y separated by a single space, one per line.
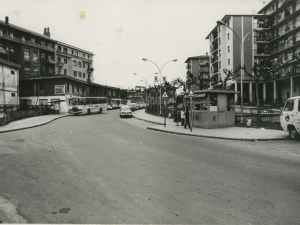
268 120
9 113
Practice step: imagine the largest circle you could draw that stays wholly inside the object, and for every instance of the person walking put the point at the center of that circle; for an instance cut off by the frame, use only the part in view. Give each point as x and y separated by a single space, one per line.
182 117
187 118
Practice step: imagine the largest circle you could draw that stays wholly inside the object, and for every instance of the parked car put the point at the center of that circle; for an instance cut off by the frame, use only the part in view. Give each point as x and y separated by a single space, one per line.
133 106
109 107
115 106
125 111
290 117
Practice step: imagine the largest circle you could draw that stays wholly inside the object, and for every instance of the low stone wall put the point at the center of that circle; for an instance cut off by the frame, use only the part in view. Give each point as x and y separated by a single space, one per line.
18 115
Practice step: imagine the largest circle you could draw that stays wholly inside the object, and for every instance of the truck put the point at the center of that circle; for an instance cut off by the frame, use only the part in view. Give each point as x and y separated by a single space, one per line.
290 117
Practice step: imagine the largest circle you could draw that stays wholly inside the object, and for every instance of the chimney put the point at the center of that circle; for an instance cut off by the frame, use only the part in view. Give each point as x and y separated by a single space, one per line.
47 32
6 20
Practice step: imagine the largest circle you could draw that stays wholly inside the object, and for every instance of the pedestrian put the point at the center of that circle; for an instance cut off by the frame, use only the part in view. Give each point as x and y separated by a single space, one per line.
187 118
182 117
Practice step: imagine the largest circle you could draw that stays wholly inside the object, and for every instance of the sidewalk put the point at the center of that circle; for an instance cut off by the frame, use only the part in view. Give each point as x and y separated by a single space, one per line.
231 133
30 122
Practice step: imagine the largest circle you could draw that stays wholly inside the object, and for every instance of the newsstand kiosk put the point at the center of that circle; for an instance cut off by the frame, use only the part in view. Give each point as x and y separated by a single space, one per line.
211 108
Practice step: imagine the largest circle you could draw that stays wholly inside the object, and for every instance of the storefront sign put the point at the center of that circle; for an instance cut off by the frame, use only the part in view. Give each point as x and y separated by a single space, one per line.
59 89
203 95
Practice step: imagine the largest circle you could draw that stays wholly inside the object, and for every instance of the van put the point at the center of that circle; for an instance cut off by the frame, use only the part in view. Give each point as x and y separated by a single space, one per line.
290 117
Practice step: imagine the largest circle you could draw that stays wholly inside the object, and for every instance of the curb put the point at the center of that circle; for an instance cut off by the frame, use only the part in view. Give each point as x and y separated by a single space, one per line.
23 128
224 138
157 123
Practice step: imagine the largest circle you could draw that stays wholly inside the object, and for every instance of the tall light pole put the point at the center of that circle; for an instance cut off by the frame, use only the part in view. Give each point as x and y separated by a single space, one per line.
242 60
145 83
159 70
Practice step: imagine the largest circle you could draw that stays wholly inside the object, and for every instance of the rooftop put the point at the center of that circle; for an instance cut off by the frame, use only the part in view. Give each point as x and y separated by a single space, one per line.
197 57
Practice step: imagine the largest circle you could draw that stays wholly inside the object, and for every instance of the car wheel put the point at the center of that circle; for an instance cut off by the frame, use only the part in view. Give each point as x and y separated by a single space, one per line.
293 133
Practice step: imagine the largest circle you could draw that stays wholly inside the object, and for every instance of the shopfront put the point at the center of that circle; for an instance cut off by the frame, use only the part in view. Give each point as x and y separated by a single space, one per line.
211 108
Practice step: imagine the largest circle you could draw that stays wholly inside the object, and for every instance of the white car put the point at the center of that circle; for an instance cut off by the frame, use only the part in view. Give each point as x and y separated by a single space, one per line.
125 111
109 107
290 117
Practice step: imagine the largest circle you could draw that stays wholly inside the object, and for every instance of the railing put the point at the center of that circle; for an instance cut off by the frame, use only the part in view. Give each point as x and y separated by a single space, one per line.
17 112
4 51
63 53
22 41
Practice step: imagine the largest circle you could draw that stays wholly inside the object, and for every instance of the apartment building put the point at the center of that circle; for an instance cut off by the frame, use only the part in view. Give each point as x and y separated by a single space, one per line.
279 44
198 66
225 52
50 71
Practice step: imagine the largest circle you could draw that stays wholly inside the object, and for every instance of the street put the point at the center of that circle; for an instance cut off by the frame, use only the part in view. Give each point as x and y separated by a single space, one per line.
103 169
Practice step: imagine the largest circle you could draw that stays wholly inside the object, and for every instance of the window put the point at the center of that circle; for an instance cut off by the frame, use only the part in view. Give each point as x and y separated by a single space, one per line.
228 36
289 106
65 50
77 53
82 89
219 41
220 52
50 57
43 56
12 72
83 55
35 68
1 32
72 52
35 53
27 64
26 51
228 62
79 64
41 84
299 106
77 87
42 43
74 63
65 60
13 94
219 64
73 88
11 34
83 75
12 48
33 40
65 72
79 74
50 45
83 64
228 48
75 73
58 59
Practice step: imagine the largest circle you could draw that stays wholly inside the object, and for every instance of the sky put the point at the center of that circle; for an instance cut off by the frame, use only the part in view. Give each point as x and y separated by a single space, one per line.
122 32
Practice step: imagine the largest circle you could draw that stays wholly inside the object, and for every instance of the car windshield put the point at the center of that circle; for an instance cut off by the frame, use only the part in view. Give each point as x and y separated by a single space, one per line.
125 107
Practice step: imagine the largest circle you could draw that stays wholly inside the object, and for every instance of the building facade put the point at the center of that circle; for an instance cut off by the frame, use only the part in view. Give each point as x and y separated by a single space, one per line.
198 66
225 52
279 44
50 71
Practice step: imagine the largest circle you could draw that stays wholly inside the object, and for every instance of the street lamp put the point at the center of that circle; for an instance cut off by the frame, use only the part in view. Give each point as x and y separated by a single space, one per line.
174 60
145 83
220 23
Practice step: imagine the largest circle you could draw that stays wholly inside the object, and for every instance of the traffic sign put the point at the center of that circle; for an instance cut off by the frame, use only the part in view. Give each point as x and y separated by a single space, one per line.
191 94
165 95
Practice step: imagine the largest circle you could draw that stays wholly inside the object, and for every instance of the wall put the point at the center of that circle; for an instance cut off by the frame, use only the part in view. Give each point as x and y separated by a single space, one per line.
9 85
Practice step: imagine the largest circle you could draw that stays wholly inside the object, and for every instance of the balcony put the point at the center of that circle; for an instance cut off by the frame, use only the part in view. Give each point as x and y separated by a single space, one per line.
35 59
51 61
86 60
63 53
3 51
22 41
60 64
262 52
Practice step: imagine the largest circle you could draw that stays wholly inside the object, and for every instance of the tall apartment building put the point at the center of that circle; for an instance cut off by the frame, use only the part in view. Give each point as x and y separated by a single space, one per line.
277 45
49 70
199 67
225 52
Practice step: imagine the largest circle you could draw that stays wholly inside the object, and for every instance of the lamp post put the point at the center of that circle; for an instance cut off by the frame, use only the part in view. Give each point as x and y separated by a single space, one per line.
159 70
242 60
145 83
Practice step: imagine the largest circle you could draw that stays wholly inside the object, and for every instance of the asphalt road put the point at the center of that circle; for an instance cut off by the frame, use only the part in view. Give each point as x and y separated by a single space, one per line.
103 169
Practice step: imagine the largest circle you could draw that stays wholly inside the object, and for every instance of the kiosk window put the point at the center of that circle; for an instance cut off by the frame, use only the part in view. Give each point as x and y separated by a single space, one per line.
230 101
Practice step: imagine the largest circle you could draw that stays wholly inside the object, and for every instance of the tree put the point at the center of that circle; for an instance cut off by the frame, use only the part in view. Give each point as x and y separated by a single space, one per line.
261 72
196 80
